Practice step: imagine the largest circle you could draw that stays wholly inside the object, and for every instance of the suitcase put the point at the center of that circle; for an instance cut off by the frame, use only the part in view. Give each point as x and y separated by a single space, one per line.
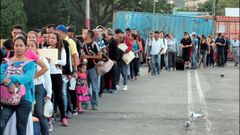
179 64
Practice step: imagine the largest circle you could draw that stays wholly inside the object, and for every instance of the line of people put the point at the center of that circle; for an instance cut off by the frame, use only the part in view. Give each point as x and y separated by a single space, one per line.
72 81
162 51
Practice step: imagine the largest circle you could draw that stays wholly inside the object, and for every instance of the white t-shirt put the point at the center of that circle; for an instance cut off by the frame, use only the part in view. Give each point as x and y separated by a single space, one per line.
45 79
156 45
56 70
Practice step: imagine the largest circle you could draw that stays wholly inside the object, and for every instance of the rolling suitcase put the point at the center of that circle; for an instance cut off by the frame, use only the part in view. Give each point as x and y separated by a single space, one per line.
179 63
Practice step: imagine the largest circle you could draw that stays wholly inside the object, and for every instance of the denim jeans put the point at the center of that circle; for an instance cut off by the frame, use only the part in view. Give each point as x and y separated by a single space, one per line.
65 97
22 114
203 57
236 54
134 67
171 60
156 60
40 94
94 89
195 59
122 68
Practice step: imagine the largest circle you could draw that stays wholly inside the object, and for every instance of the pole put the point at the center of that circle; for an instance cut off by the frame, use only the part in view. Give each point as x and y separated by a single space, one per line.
154 6
88 14
214 8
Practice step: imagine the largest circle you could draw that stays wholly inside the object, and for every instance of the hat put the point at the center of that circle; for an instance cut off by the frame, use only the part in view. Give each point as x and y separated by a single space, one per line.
62 28
194 33
117 31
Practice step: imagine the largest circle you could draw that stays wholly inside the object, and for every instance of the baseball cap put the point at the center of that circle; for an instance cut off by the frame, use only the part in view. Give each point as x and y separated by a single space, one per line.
61 28
117 31
194 33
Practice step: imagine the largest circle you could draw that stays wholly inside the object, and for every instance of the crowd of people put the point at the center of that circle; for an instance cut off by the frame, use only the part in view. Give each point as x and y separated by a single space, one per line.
72 81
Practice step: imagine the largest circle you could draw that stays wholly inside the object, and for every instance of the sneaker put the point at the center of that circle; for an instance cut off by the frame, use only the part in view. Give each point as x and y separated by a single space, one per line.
94 107
117 87
113 91
64 122
125 88
50 124
80 110
74 112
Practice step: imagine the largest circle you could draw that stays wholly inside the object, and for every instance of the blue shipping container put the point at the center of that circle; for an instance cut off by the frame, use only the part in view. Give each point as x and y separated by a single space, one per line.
190 14
145 22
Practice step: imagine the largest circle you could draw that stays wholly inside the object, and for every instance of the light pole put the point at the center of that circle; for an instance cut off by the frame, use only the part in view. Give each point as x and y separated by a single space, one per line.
88 14
154 5
214 8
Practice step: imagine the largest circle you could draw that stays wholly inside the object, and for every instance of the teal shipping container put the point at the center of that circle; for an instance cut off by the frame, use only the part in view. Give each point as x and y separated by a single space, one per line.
190 14
145 22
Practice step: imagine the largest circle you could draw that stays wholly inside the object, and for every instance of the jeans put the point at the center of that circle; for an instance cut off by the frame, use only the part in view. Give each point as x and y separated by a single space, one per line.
122 68
171 60
65 95
203 57
22 114
156 64
134 67
40 94
195 59
220 56
94 89
236 54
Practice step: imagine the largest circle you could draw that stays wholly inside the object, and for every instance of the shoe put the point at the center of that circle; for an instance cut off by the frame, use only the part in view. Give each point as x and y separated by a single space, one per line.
113 91
94 107
50 124
64 122
125 88
80 110
74 112
117 87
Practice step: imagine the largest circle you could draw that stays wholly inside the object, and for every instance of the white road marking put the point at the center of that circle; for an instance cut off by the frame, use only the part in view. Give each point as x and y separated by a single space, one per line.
190 99
208 124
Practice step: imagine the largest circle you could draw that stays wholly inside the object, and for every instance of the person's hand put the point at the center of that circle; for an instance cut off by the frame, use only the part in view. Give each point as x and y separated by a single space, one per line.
6 81
69 77
84 56
49 60
12 88
75 75
47 98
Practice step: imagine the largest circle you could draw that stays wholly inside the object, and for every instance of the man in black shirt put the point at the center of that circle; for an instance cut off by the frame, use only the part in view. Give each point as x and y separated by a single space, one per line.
220 43
113 54
91 53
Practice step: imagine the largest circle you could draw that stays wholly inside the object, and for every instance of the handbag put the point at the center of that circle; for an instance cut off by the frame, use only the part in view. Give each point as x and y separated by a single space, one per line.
104 65
128 57
7 98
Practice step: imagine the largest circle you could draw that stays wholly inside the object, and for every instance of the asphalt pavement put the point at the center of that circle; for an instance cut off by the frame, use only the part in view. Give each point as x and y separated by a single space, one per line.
160 105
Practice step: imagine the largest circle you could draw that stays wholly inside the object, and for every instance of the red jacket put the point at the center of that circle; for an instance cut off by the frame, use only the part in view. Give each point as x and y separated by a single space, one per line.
127 41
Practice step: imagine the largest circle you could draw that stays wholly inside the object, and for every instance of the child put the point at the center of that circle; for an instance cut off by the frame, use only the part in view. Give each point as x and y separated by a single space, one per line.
82 87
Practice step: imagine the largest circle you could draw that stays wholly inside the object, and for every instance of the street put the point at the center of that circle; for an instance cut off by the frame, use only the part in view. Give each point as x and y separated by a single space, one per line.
160 105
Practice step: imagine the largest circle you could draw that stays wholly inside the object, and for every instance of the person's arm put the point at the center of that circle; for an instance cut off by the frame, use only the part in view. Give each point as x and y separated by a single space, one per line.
129 44
47 81
3 71
95 57
43 69
63 61
28 75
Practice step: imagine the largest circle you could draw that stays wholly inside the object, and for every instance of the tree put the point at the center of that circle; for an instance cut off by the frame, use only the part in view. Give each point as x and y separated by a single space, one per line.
102 10
11 13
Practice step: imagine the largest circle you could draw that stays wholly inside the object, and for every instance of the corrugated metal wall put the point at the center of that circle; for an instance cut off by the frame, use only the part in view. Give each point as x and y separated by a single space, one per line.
145 22
190 14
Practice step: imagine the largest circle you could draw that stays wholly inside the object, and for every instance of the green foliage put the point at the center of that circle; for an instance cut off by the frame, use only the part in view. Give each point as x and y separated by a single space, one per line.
11 13
39 13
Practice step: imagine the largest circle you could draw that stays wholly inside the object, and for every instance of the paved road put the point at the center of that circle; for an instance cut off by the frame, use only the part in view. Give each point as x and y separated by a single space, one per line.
160 105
